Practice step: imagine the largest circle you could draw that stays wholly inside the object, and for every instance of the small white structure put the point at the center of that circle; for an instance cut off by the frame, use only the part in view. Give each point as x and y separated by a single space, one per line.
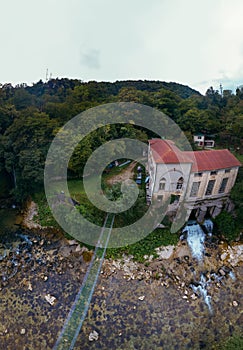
202 141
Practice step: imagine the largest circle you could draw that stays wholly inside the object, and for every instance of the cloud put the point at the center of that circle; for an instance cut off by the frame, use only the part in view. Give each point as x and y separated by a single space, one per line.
91 59
199 44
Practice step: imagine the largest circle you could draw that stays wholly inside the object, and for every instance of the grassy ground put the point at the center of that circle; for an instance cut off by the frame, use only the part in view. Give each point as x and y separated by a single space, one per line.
157 238
235 342
76 191
138 250
45 217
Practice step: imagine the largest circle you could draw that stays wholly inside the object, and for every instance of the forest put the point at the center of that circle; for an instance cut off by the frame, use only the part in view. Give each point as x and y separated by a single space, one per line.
30 116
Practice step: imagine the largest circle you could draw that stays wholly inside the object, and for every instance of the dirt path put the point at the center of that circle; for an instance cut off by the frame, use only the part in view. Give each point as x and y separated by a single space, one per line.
30 213
125 174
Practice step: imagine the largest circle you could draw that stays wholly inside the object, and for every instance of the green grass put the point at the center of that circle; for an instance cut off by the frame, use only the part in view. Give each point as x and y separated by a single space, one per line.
238 156
146 246
76 190
235 342
45 217
75 187
157 238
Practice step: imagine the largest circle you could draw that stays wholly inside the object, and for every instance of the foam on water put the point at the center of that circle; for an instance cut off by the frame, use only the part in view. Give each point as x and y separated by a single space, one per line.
208 224
232 275
201 289
195 240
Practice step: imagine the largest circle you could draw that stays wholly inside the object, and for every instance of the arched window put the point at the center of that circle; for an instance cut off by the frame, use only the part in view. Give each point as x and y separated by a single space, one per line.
179 183
162 184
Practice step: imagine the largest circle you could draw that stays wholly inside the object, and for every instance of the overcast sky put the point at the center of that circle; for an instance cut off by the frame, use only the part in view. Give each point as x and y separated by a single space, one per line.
194 42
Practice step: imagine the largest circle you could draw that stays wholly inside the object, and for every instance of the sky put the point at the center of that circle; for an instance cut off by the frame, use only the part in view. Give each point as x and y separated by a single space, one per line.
198 43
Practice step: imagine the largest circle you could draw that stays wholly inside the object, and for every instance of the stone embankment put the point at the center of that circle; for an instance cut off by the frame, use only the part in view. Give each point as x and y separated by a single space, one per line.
171 265
42 251
174 265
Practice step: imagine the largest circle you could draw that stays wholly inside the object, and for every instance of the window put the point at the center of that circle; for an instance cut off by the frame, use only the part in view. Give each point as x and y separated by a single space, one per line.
223 185
198 174
213 172
227 171
210 187
195 188
209 143
179 183
162 184
199 137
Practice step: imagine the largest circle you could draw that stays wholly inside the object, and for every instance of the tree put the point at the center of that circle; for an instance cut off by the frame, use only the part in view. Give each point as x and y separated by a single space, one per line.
25 145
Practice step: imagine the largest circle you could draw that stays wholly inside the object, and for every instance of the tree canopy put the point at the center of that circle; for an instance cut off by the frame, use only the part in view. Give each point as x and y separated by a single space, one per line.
30 116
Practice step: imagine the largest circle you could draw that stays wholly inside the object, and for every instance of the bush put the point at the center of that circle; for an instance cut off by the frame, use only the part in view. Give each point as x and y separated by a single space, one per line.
146 246
226 226
233 343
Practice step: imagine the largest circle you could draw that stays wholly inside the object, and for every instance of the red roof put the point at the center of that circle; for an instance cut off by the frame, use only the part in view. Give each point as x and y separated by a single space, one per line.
165 151
213 160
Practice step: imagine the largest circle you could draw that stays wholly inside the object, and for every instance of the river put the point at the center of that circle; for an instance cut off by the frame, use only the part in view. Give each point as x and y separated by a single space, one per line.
126 314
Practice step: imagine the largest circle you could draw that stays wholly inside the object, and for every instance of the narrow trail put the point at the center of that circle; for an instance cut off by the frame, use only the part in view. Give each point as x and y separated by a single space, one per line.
124 174
70 331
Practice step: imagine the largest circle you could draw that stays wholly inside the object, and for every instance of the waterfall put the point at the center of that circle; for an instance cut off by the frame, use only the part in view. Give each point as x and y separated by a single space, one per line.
232 275
195 239
201 289
25 238
208 224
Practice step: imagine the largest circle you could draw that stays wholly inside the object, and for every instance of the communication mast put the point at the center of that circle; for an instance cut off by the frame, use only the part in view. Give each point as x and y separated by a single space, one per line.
221 89
48 76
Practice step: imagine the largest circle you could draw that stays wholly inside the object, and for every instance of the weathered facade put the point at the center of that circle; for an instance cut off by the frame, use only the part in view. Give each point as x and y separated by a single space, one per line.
202 180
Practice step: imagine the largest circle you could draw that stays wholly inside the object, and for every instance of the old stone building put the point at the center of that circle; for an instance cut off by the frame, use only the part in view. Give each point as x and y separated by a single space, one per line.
202 180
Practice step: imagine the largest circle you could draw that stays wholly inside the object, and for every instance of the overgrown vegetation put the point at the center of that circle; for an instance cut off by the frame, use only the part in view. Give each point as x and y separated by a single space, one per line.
237 195
159 237
226 226
85 207
30 116
235 342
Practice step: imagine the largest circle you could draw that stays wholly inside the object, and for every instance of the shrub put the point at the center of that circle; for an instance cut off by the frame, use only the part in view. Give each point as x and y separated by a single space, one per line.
225 224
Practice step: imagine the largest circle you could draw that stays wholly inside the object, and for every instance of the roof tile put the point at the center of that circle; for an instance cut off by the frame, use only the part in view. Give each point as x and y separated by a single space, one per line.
165 151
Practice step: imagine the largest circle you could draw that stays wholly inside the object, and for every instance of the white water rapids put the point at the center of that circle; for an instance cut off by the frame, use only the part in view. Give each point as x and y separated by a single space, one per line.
195 240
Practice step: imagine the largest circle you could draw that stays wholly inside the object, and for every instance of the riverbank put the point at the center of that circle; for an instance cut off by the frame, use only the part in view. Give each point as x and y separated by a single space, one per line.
132 307
147 305
142 315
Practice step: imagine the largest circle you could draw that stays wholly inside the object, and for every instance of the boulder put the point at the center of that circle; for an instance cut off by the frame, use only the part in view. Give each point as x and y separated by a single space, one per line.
165 252
93 336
